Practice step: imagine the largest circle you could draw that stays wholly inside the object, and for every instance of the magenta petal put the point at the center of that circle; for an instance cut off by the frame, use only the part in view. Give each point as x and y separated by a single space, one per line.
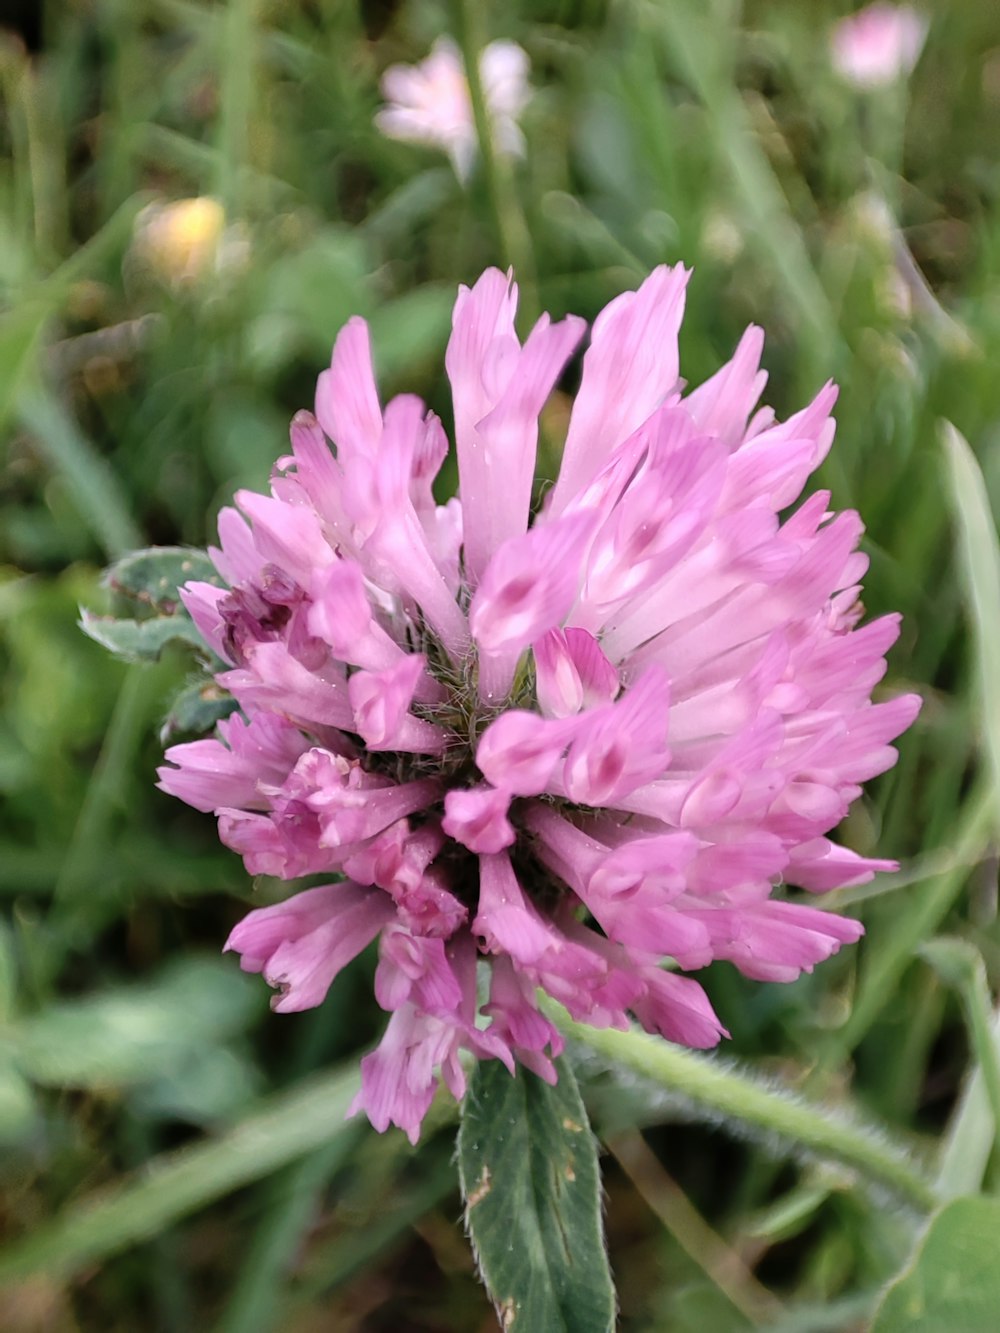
571 672
300 945
621 746
629 369
477 818
519 751
347 405
529 585
678 1009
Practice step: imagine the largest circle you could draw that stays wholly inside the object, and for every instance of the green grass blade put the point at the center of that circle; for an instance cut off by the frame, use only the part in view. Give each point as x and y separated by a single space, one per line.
703 62
95 489
293 1124
965 1151
237 96
289 1207
890 951
979 563
961 965
350 1252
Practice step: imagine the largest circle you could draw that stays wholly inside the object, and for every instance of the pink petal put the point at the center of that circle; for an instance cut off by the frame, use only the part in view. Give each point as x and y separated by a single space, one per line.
529 586
347 405
477 818
571 672
629 369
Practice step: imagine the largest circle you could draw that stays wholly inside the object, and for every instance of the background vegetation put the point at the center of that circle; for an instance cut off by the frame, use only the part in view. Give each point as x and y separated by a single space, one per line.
174 1157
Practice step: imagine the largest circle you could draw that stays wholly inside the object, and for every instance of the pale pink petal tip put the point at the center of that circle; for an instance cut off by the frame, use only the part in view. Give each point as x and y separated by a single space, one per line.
878 45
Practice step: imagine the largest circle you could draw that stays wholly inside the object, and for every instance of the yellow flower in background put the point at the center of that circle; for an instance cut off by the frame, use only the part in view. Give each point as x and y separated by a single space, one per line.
181 242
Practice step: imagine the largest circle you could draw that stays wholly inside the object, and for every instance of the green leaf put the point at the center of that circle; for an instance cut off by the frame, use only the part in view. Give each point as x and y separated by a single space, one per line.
139 640
211 1085
135 1033
151 577
412 327
196 709
531 1183
147 582
953 1281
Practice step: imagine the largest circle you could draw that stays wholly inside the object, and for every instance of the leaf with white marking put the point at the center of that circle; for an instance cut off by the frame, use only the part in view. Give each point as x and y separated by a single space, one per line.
531 1183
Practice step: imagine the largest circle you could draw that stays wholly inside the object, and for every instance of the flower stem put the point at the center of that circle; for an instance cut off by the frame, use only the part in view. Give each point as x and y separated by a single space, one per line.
726 1090
721 1264
512 230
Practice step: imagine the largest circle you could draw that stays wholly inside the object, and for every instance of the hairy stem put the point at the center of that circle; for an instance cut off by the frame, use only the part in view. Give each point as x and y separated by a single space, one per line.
726 1090
512 230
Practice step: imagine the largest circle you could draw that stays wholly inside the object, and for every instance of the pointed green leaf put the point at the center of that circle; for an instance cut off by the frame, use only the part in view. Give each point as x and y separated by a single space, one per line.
953 1281
197 709
139 640
531 1183
131 1034
151 577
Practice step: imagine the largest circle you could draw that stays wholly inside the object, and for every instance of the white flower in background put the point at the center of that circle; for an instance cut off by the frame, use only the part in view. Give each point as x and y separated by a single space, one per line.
878 45
430 103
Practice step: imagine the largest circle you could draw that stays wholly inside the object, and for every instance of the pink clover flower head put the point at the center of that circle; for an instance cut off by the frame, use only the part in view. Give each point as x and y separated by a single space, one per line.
574 749
878 45
429 103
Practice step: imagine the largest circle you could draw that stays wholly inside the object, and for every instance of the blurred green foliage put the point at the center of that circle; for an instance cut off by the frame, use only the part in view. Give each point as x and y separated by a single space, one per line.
862 232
